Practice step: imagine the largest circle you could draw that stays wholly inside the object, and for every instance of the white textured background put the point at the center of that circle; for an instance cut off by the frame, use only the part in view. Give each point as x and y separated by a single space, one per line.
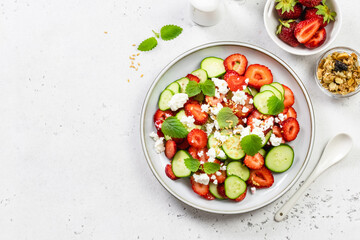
71 164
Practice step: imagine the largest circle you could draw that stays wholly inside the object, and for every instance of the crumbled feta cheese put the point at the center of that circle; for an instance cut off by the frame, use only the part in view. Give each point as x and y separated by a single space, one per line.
200 153
239 97
154 136
245 109
209 127
253 190
245 131
215 182
268 123
277 120
205 108
256 122
221 153
201 162
221 85
282 117
159 145
217 94
222 138
177 101
244 120
223 168
225 99
237 129
202 178
188 121
213 177
260 133
211 153
218 173
244 87
251 101
217 126
274 140
247 81
215 110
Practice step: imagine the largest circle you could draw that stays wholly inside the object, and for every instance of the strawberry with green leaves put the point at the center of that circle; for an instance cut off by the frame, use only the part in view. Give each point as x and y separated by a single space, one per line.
286 32
310 3
288 9
321 11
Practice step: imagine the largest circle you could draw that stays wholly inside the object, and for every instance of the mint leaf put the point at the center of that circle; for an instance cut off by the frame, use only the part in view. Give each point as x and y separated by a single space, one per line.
251 144
211 167
172 127
192 164
169 32
192 89
147 44
208 88
226 118
275 105
157 35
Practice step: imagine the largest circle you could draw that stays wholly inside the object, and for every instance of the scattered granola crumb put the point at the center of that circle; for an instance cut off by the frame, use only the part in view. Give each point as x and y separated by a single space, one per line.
138 54
136 69
133 55
128 80
134 45
142 75
138 64
106 32
131 58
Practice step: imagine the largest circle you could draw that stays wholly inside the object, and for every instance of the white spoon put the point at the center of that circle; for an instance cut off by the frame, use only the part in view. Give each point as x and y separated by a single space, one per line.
336 149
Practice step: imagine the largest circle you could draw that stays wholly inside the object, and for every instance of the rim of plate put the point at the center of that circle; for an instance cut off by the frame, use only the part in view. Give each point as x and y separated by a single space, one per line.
217 44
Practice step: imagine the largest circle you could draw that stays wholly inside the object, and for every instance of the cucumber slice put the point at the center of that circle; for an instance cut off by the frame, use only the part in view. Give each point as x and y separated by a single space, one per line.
201 74
164 99
214 191
279 87
175 87
238 169
214 143
247 90
183 83
268 87
232 148
213 66
253 91
261 100
267 137
280 158
234 187
178 165
262 152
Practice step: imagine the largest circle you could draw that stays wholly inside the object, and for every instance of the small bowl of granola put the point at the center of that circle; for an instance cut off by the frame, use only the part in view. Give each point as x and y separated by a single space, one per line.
338 72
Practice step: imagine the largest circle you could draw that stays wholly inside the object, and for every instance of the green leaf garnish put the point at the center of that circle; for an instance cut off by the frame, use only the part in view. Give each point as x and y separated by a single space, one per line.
157 35
325 11
172 127
169 32
192 89
251 144
226 118
275 105
147 44
192 164
208 88
211 167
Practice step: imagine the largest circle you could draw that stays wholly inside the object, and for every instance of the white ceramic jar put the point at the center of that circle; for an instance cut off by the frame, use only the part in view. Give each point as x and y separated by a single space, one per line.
206 12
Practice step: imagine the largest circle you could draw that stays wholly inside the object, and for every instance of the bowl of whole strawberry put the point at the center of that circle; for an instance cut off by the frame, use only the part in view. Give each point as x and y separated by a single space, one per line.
302 27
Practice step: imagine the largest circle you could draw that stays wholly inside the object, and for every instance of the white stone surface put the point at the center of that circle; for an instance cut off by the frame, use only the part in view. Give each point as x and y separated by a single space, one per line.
71 164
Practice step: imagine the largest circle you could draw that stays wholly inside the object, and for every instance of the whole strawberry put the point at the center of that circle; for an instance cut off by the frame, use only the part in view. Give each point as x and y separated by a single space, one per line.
310 3
322 11
286 32
288 9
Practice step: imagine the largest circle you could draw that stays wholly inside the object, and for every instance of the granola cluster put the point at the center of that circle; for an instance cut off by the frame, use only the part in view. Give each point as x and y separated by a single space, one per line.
339 73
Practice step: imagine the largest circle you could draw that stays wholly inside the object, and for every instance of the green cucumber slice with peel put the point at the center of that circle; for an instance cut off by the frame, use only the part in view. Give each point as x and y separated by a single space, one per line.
234 186
174 87
178 164
213 66
232 148
239 169
183 83
214 190
273 89
164 99
279 87
280 158
201 74
261 101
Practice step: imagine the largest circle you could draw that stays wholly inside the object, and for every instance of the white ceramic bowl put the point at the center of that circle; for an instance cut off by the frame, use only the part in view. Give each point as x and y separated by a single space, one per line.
186 63
271 21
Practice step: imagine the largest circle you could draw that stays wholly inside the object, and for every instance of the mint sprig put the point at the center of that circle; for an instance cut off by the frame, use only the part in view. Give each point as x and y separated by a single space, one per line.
275 105
192 164
172 127
226 118
147 44
251 144
169 32
192 89
208 88
211 167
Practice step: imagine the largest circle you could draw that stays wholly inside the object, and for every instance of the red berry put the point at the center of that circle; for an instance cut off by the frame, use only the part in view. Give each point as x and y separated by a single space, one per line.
306 29
261 178
235 81
258 75
317 40
238 108
290 129
289 97
209 196
241 197
310 3
293 12
286 32
160 116
170 149
199 188
236 62
197 138
254 162
194 109
213 101
169 172
193 78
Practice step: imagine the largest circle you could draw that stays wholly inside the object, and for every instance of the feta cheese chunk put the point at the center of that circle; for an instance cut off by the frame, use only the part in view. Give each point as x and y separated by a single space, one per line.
202 178
239 97
253 190
274 140
221 85
177 101
205 108
188 121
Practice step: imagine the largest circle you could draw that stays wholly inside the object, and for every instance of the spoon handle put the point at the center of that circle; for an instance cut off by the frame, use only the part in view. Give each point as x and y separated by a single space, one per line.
283 211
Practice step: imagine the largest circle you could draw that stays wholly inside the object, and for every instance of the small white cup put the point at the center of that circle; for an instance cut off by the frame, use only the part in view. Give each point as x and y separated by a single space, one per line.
206 12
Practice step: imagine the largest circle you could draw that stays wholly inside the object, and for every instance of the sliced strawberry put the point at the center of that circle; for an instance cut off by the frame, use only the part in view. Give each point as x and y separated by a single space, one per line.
238 109
290 129
160 133
317 40
255 115
199 188
241 197
289 97
209 196
306 29
221 190
261 178
194 109
236 62
193 78
213 101
276 130
197 138
254 162
193 152
184 145
160 116
201 154
170 149
169 172
235 81
258 75
291 113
